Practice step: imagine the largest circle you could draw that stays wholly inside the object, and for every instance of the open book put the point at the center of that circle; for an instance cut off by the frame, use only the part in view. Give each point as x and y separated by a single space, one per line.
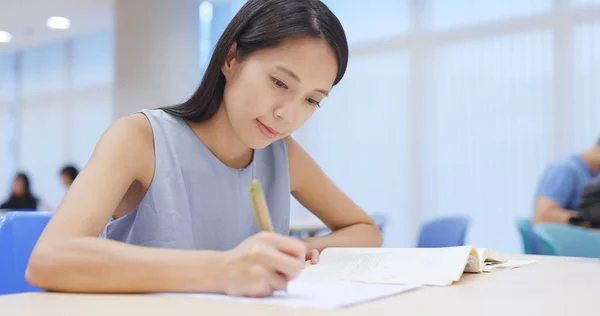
480 259
428 266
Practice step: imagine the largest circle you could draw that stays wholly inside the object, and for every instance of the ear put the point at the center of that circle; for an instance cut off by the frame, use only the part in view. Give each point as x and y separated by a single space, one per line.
230 61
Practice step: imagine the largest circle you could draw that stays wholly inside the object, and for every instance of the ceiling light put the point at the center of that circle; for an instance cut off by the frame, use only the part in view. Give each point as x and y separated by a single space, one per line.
206 11
5 37
58 23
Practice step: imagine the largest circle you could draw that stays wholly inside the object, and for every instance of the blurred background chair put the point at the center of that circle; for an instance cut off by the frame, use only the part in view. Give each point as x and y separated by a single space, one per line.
19 232
381 220
312 226
529 239
568 240
444 232
7 210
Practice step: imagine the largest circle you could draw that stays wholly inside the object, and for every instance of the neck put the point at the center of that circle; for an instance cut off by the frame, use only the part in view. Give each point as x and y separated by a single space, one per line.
591 158
218 135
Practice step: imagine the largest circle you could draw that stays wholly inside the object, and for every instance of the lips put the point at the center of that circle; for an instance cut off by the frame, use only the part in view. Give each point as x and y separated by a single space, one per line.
267 131
270 129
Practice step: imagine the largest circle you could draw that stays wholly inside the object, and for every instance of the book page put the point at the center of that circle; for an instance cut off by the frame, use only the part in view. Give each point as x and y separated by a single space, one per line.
474 264
429 266
315 294
490 255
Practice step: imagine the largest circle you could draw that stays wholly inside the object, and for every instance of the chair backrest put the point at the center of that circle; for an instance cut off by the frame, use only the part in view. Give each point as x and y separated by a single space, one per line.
381 221
568 240
444 232
530 241
19 232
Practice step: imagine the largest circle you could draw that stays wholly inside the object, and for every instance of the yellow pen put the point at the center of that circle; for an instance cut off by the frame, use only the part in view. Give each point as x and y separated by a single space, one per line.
261 212
259 204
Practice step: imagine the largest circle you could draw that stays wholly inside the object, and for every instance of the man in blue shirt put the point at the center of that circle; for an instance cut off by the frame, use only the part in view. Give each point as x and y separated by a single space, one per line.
561 186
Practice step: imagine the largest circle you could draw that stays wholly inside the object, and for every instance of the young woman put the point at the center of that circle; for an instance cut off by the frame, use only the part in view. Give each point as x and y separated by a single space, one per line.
20 197
167 189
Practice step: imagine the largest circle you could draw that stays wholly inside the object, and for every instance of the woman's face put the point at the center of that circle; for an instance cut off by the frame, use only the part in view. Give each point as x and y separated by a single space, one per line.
273 92
18 187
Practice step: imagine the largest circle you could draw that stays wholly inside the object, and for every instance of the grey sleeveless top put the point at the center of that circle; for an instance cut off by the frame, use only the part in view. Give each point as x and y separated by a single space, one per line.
197 202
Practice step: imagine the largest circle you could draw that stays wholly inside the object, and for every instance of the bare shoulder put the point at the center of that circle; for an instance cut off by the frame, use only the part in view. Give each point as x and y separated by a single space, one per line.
130 142
290 142
135 125
295 152
133 132
303 169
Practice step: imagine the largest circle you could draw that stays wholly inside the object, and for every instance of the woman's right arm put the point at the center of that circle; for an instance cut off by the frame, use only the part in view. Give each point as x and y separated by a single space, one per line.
70 257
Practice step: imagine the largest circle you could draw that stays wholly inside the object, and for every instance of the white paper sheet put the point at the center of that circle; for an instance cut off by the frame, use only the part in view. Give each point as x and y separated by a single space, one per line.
316 294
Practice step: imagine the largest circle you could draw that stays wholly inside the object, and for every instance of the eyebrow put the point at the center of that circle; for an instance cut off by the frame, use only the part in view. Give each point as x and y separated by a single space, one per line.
295 76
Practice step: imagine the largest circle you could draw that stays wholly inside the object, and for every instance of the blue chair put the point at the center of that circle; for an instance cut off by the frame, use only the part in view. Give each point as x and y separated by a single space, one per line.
381 221
19 232
568 240
530 241
444 232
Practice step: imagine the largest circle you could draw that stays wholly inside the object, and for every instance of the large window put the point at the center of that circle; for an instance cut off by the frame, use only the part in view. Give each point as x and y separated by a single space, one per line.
379 20
8 89
56 104
455 108
486 120
460 13
360 136
586 85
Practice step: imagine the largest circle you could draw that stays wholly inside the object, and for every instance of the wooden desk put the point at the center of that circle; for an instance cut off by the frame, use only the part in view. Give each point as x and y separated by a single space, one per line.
552 286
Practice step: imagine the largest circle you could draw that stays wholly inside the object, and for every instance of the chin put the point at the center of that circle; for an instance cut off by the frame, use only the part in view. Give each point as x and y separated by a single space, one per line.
259 143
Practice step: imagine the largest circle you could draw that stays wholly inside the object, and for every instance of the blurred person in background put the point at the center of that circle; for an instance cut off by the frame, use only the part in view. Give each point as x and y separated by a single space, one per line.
21 196
561 187
590 203
68 174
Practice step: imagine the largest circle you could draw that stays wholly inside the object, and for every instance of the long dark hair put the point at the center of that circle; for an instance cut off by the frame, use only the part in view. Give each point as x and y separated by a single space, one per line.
26 186
262 24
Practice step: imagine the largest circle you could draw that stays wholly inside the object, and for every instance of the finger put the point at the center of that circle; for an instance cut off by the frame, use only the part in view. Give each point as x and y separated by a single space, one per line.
314 256
277 281
290 246
277 261
261 289
260 281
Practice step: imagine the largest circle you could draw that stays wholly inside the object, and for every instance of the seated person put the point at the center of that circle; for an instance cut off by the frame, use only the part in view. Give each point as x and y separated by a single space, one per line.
20 197
590 202
560 189
165 193
68 174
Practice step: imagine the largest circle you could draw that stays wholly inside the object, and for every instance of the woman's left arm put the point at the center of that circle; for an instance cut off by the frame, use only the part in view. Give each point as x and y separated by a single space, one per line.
350 225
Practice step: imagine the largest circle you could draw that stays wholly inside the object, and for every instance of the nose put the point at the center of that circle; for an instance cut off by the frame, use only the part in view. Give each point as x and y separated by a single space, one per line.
286 111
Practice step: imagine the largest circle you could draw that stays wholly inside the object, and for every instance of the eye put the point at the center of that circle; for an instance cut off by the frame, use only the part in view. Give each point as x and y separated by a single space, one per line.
313 102
278 83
